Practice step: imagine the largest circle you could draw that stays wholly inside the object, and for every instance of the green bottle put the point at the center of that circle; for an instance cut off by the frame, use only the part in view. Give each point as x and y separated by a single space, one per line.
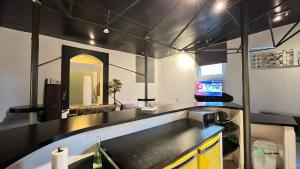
97 163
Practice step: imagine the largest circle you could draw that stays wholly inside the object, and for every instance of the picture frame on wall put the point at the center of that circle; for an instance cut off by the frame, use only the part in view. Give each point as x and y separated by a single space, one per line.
276 59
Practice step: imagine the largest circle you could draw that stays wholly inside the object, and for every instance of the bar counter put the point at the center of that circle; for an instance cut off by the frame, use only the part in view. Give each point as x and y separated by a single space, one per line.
19 142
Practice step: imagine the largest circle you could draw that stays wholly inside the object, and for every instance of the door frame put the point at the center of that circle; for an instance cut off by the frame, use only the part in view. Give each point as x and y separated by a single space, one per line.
67 53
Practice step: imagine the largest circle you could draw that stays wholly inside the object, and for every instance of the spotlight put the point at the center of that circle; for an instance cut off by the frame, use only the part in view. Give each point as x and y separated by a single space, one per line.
277 18
106 30
219 6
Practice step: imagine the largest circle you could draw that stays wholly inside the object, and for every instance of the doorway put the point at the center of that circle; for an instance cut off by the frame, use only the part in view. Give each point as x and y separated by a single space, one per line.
84 77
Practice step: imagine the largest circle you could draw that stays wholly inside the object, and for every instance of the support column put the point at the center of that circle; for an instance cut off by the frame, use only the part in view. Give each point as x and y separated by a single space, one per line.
146 71
245 78
34 57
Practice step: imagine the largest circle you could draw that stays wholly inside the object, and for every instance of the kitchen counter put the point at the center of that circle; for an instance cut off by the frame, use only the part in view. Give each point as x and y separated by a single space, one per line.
159 146
272 119
19 142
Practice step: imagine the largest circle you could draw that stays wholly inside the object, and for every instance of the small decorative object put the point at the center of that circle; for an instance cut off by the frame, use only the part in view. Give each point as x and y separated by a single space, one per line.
59 158
115 86
97 162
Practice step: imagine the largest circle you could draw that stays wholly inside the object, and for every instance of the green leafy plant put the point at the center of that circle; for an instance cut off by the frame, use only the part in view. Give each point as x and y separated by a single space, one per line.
114 87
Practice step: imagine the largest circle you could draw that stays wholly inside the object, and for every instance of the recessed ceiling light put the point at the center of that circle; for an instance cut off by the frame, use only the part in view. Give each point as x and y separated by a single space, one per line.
92 42
106 30
219 6
277 18
147 37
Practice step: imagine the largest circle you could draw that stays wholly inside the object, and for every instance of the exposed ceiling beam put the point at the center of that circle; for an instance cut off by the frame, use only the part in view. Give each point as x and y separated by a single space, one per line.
236 22
188 24
114 29
207 33
162 18
214 43
262 15
61 7
112 12
124 11
123 32
217 27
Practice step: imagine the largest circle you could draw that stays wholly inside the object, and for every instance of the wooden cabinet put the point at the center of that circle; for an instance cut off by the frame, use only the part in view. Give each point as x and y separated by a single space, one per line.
206 156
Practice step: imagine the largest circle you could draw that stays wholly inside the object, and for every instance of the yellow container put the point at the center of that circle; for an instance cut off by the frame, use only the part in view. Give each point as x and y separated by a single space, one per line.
209 154
188 161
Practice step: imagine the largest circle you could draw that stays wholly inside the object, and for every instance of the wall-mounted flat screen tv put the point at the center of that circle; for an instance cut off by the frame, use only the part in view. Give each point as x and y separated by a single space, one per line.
209 88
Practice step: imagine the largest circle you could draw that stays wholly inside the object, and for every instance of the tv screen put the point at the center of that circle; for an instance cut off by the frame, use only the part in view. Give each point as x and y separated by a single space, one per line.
209 88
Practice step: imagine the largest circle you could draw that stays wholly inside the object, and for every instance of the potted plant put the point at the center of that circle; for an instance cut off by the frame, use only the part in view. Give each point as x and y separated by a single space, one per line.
114 87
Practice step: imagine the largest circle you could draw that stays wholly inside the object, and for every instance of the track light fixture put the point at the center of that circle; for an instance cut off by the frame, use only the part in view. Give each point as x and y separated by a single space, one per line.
279 16
106 29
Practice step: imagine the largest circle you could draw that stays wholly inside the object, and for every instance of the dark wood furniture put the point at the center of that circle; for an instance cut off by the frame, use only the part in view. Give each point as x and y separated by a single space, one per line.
52 102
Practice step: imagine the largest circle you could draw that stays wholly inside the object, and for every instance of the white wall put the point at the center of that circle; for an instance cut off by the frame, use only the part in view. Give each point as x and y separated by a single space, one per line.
176 79
274 90
15 68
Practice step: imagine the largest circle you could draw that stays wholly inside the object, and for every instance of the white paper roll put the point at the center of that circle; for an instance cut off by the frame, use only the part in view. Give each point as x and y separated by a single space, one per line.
59 160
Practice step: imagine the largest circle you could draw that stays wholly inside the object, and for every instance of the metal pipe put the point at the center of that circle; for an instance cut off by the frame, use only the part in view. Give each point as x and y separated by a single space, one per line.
271 30
187 25
50 61
289 31
262 15
127 69
294 34
245 79
236 22
146 71
35 23
207 33
124 11
162 18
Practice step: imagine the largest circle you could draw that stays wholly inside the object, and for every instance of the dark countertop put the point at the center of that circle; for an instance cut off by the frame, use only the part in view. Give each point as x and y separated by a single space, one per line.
272 119
159 146
19 142
26 109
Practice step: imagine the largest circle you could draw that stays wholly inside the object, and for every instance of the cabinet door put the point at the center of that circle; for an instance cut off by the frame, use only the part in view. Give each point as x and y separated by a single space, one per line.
188 161
209 154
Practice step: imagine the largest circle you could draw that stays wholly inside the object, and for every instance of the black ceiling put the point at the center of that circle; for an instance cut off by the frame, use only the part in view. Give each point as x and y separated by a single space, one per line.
170 24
